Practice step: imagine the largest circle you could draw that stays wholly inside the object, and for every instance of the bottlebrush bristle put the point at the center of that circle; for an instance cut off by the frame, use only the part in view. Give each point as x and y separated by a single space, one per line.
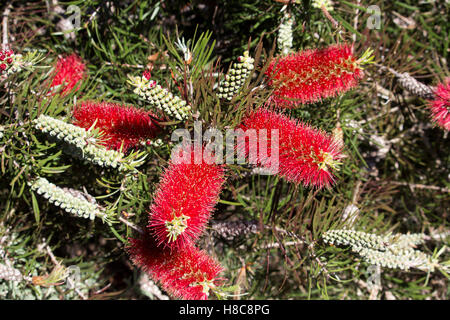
306 155
440 105
312 75
68 72
125 125
184 201
185 274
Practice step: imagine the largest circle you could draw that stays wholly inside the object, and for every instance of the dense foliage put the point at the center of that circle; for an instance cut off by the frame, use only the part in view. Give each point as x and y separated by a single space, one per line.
365 219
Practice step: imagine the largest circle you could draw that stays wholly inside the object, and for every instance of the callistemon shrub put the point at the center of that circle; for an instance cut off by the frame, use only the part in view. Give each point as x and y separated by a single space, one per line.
306 155
440 105
187 274
311 75
185 199
124 126
69 71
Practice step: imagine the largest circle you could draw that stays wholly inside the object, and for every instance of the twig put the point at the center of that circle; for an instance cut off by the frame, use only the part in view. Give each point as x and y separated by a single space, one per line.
329 17
131 225
277 244
57 263
438 236
373 289
355 21
289 233
314 256
5 27
287 1
52 256
126 65
103 289
379 115
148 286
419 186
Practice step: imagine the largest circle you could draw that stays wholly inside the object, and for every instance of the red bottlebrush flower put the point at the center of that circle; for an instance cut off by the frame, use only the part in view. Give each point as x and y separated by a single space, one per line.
186 274
5 60
305 155
312 75
440 105
147 74
185 201
6 54
68 72
121 124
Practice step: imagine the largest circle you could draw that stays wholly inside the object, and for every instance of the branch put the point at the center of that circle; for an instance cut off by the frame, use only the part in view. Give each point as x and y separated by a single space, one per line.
420 186
5 26
131 225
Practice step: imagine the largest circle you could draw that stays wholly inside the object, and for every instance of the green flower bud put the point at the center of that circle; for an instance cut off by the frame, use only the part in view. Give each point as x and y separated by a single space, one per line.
70 200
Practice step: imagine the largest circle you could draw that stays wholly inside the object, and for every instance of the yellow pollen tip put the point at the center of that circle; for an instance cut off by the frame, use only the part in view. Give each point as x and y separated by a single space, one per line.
176 227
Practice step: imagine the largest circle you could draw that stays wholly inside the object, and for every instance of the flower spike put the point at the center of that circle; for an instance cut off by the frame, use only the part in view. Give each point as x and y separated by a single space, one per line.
285 36
306 155
84 144
173 106
69 71
236 77
440 105
184 202
188 274
124 126
312 75
70 200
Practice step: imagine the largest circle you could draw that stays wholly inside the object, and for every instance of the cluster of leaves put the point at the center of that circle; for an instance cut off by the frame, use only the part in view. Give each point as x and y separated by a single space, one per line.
396 171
